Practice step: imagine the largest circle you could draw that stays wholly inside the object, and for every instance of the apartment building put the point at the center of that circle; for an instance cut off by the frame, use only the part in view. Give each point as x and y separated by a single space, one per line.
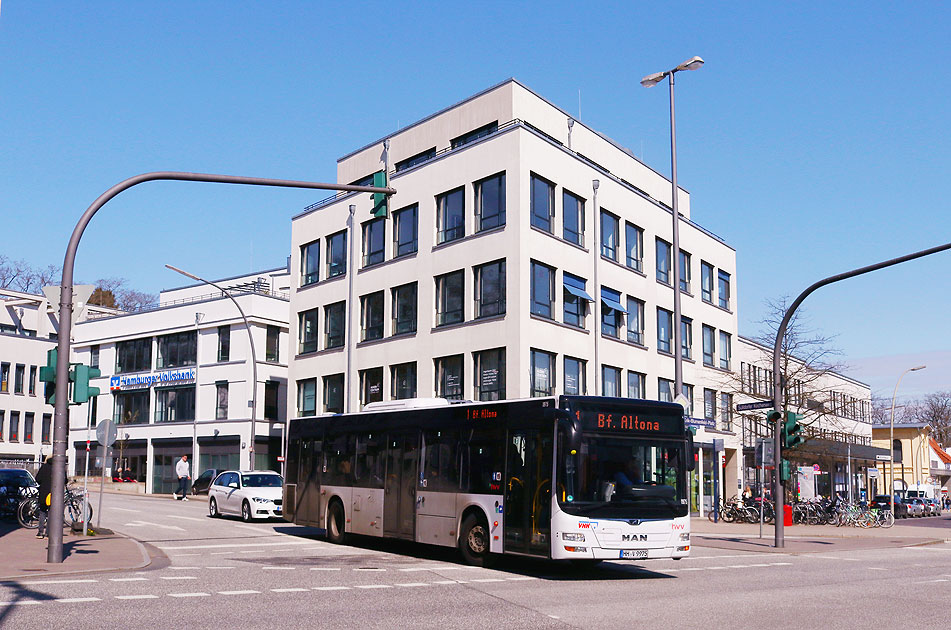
524 254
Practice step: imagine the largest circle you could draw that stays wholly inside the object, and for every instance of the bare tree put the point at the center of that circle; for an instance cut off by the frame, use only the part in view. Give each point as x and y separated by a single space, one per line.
935 409
115 293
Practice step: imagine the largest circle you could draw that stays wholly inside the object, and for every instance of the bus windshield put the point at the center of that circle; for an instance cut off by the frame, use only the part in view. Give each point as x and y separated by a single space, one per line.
622 477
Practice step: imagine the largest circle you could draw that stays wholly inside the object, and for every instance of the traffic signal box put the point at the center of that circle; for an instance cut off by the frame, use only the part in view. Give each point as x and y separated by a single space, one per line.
79 376
48 376
789 437
379 199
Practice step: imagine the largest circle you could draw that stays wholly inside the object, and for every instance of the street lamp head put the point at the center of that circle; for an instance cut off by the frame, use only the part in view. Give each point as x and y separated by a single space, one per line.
653 79
920 367
693 63
184 273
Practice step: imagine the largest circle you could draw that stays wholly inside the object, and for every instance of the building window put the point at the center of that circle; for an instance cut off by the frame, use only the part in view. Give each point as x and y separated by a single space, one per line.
686 337
403 381
419 158
725 350
404 309
636 385
405 231
709 404
450 292
14 426
175 404
575 382
373 239
490 202
684 271
634 239
334 316
31 384
635 321
450 216
333 393
612 315
371 385
310 263
4 377
543 203
271 392
663 262
665 389
47 427
490 289
177 350
709 345
224 343
576 300
706 282
573 212
94 356
543 373
665 330
1 425
726 411
449 377
337 254
272 344
307 333
609 235
490 374
307 397
134 355
371 317
687 391
19 377
610 381
543 290
131 407
474 135
28 427
723 289
221 400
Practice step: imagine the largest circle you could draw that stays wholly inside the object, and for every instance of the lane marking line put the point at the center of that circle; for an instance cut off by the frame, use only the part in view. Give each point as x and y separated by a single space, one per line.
178 577
135 579
325 568
235 545
410 584
331 588
239 592
59 582
373 586
124 509
289 590
24 602
221 567
183 568
76 600
278 568
136 596
189 595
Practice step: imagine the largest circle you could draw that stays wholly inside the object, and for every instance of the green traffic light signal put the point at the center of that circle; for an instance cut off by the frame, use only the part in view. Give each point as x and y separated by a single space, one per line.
80 376
785 471
791 430
379 199
48 376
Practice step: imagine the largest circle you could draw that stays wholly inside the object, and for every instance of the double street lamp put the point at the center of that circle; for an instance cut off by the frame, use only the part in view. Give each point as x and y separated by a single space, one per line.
651 80
891 442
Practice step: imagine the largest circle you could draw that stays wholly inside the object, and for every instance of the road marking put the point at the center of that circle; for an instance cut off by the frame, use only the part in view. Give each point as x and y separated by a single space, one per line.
182 568
877 569
409 584
373 586
278 568
368 569
135 579
136 596
221 567
289 590
60 582
178 577
189 595
325 568
932 581
23 602
450 582
487 580
331 588
191 518
149 523
234 546
238 592
124 509
76 600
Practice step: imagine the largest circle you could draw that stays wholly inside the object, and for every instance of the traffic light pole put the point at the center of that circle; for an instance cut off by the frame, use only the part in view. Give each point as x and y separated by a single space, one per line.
61 414
778 498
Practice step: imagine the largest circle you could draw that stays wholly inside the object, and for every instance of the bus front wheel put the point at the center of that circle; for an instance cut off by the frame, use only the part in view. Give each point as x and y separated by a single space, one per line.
474 541
335 524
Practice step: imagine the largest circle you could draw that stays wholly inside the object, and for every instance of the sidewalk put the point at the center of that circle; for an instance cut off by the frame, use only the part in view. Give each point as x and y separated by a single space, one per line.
810 538
24 555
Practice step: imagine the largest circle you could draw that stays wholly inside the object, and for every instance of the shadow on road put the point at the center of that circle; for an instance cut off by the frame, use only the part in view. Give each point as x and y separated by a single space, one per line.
18 595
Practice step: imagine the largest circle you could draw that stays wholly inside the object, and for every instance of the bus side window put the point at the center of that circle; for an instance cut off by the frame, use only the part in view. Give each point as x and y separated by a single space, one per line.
293 447
439 461
338 464
486 462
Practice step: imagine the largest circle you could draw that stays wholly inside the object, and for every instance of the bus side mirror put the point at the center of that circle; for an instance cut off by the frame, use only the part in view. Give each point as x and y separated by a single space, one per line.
690 463
572 428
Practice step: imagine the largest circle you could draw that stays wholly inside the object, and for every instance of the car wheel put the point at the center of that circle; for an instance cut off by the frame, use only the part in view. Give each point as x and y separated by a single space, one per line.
246 512
336 528
474 541
213 508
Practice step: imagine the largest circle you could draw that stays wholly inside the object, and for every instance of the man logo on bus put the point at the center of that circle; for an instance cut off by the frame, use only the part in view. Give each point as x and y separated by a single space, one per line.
633 537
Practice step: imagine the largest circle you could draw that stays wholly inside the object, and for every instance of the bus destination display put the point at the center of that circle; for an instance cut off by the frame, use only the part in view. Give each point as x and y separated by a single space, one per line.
627 422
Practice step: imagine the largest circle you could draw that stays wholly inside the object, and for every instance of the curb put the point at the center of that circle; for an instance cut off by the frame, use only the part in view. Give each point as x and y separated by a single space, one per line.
146 560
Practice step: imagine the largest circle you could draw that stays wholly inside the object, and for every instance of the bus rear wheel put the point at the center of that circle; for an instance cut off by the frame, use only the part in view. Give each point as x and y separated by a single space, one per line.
336 531
474 541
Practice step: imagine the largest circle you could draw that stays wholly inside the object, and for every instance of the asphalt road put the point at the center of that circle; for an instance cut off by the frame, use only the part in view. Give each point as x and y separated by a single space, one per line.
225 574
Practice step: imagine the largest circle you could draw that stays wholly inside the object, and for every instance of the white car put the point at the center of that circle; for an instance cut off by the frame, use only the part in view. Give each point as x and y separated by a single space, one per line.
248 494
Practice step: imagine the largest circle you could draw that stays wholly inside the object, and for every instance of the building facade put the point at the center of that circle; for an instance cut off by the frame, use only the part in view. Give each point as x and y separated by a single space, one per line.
524 254
920 463
176 381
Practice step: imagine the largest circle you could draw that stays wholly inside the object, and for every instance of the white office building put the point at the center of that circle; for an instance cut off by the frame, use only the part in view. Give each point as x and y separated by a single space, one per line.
176 381
524 254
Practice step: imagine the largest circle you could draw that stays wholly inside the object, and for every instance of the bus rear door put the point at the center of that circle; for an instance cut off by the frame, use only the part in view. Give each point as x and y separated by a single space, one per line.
399 489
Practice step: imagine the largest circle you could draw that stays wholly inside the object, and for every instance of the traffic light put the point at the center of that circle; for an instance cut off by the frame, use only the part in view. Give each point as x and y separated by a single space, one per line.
785 471
791 430
48 376
80 376
379 199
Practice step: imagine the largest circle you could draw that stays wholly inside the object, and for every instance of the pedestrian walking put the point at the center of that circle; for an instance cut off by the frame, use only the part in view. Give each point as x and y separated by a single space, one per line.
183 473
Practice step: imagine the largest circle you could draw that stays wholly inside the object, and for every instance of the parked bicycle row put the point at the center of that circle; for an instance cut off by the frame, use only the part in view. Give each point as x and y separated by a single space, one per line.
825 512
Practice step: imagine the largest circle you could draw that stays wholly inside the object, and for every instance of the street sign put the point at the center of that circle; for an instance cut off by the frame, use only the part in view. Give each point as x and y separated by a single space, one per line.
280 458
106 433
883 458
873 473
764 404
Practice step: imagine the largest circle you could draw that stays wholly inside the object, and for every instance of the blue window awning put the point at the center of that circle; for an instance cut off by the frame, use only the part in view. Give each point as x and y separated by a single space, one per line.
611 303
581 293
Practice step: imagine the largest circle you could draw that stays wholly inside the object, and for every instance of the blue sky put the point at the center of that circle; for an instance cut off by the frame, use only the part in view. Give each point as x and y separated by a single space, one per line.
814 140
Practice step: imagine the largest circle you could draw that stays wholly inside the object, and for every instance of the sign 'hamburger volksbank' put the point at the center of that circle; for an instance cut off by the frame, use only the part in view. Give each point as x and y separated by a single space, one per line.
140 381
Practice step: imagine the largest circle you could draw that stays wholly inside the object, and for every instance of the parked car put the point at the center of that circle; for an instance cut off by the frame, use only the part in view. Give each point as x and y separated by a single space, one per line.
249 494
916 507
935 506
883 502
203 481
15 485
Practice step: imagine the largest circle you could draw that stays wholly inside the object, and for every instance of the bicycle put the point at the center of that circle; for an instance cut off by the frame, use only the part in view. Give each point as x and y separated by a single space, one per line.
28 512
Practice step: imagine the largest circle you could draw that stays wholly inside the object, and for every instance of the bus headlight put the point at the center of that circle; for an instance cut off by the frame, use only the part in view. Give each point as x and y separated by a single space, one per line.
575 536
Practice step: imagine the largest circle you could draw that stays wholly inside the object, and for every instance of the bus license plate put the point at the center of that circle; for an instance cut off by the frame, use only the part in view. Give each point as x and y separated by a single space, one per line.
635 553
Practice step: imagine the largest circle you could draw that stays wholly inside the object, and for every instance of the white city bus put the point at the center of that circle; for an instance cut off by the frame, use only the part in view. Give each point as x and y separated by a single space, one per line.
478 476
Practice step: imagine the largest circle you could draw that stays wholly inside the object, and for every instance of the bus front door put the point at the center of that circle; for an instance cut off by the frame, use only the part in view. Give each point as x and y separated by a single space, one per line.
399 489
528 492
